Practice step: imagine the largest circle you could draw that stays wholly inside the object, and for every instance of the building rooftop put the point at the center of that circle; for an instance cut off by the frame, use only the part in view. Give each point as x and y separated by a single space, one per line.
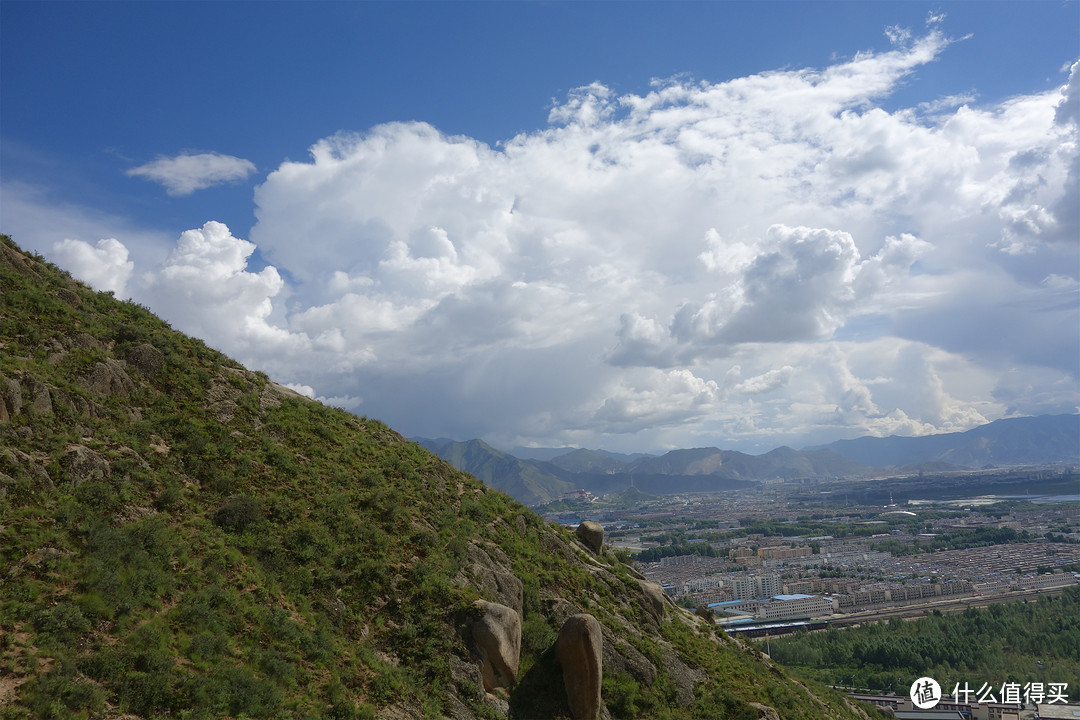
796 596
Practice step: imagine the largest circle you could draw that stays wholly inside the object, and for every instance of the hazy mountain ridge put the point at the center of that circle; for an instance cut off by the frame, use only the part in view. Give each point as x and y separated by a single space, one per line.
1015 441
527 481
1012 441
183 537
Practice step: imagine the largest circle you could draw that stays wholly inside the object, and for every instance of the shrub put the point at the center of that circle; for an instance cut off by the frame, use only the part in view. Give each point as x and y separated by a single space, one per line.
238 513
63 622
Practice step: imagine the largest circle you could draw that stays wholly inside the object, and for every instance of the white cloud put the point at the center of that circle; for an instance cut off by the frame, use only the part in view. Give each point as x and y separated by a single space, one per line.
104 266
305 390
185 173
766 382
754 262
642 245
204 288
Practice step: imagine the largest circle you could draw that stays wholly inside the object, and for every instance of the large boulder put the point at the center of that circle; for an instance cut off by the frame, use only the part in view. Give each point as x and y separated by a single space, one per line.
36 397
580 651
652 599
10 399
80 464
592 534
147 358
496 634
109 378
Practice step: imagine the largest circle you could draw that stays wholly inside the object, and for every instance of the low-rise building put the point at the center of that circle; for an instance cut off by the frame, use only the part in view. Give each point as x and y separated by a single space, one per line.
787 606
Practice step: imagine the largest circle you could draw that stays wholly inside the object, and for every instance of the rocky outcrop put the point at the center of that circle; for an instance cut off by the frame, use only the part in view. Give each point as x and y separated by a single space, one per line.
652 600
109 378
496 635
765 712
488 570
580 652
10 399
15 463
37 399
146 358
80 464
592 534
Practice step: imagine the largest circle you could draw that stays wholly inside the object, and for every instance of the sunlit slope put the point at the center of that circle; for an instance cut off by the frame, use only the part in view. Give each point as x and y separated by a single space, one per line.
181 537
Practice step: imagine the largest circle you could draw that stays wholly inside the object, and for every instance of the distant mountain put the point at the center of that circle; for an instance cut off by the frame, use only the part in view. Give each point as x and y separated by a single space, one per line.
549 454
539 453
694 470
781 463
528 481
1013 441
1017 441
580 461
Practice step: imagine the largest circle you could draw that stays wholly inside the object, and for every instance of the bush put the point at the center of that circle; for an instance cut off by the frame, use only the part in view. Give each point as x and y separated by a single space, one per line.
238 513
62 694
63 622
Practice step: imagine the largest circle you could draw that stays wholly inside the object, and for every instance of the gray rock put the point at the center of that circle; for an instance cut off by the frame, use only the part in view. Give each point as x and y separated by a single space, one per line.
10 399
765 712
620 656
146 358
17 463
684 677
592 534
491 574
652 599
580 652
36 397
70 297
80 464
109 378
82 341
496 634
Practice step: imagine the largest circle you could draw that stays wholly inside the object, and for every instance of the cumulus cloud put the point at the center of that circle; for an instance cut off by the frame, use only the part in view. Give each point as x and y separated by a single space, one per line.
204 287
104 266
766 260
185 173
646 242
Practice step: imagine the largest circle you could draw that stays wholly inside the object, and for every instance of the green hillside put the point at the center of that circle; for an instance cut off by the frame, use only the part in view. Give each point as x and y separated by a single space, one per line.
181 537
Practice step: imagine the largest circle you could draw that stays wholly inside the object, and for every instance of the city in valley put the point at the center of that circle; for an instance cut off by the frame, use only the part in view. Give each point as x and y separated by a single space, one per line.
793 553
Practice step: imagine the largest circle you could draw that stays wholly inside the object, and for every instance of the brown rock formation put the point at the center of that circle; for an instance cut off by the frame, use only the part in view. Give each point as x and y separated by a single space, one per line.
652 596
497 637
592 534
580 652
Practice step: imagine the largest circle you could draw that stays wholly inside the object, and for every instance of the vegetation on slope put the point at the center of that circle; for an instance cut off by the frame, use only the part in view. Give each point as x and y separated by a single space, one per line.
181 537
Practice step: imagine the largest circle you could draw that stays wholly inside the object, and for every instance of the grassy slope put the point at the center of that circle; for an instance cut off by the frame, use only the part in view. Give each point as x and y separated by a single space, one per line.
200 543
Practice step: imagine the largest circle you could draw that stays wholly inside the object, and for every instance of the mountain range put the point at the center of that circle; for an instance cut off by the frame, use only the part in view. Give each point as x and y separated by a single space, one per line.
1007 442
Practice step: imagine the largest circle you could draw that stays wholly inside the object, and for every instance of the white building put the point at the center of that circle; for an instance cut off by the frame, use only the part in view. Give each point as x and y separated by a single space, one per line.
787 606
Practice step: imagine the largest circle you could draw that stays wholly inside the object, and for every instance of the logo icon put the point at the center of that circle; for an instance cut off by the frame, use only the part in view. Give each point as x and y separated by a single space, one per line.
925 693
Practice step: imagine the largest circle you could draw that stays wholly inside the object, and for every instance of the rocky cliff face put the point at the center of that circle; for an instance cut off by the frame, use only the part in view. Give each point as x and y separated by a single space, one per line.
182 536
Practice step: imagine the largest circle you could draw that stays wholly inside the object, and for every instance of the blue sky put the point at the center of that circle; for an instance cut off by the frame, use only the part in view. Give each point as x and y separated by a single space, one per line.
630 225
